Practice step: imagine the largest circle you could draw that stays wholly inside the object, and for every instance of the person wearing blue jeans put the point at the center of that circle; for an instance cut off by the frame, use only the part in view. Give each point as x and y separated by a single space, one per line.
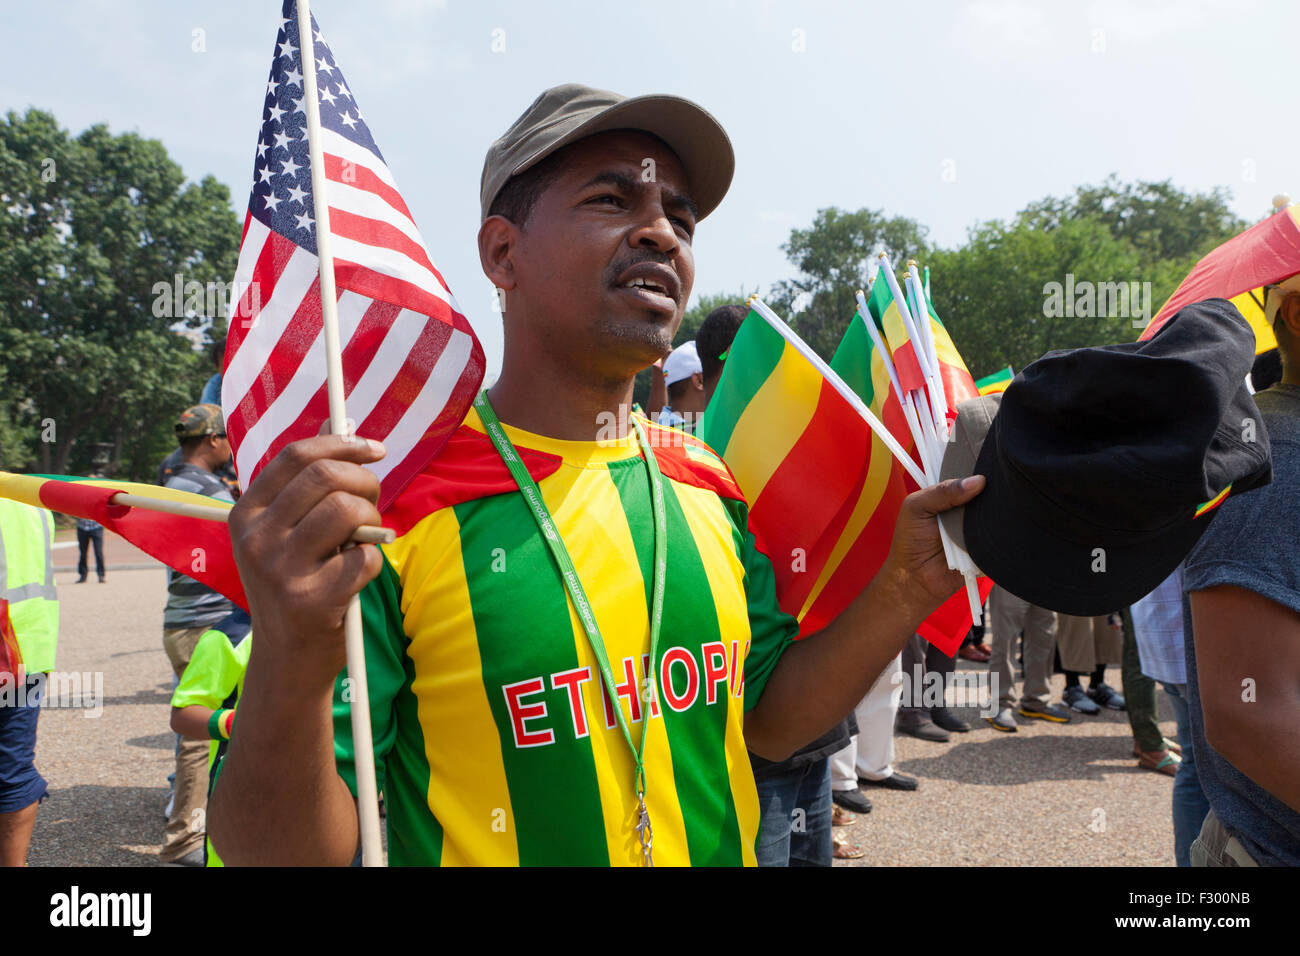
1158 632
1190 805
794 802
795 816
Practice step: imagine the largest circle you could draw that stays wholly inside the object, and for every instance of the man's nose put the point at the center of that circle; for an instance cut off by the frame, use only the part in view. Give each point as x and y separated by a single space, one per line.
655 232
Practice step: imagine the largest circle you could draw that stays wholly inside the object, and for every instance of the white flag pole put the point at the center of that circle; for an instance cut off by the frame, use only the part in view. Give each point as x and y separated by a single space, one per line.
372 853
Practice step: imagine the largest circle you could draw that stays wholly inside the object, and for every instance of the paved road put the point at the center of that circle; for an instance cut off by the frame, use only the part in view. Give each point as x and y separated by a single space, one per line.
1048 795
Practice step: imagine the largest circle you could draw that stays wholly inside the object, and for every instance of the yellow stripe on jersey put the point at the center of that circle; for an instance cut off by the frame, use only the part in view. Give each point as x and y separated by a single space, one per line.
711 530
460 731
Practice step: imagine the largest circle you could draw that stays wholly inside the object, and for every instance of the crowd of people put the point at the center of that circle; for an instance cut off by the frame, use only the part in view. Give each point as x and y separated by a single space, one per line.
499 745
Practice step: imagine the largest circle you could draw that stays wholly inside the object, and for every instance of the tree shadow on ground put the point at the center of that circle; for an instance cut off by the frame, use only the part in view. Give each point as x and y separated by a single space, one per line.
90 825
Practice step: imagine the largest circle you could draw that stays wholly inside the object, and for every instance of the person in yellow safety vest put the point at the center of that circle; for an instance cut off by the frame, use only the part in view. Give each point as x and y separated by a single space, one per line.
27 583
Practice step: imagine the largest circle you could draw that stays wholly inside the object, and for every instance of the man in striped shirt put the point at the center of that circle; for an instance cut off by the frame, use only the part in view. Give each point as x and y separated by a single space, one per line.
191 609
499 736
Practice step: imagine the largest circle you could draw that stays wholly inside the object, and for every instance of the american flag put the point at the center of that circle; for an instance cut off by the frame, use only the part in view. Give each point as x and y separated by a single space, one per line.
411 362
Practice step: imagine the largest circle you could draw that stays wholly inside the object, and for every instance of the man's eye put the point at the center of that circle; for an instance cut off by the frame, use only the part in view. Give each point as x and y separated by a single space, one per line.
607 197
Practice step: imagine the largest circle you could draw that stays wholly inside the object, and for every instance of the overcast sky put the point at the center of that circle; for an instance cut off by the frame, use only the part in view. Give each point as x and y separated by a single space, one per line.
990 104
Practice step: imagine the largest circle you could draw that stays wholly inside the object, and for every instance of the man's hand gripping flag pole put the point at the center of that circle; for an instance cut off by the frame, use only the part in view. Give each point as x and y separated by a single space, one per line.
926 414
372 853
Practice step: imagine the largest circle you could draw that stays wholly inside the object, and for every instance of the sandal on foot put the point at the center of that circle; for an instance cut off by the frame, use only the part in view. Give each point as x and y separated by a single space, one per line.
841 817
844 850
1161 761
1171 745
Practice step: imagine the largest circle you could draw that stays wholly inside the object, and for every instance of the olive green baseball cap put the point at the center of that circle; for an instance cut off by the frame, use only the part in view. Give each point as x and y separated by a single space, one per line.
565 114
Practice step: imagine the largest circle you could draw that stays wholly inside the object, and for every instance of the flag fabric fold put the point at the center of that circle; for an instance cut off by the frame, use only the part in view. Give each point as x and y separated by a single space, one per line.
196 547
1267 252
957 382
411 362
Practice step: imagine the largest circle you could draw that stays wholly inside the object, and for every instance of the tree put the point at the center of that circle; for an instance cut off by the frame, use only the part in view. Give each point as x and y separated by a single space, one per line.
835 257
993 294
998 294
92 229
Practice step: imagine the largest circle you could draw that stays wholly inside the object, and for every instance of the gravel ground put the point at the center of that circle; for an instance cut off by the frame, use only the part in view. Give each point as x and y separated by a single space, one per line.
107 767
1048 795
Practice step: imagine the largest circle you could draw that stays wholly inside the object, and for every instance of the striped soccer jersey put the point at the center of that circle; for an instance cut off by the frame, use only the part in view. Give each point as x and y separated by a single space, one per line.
495 741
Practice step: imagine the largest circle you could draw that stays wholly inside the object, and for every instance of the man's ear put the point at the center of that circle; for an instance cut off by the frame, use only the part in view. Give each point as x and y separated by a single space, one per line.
697 380
496 244
1290 313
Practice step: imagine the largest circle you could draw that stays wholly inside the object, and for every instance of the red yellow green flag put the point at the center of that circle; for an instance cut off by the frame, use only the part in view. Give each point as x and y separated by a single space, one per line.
823 488
802 457
861 367
995 383
957 381
193 546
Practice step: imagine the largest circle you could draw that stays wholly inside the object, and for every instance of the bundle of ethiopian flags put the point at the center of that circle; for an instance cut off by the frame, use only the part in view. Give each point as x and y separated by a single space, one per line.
825 452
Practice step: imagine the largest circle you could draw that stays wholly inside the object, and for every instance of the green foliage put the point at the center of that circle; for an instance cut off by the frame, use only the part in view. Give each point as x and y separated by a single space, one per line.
89 227
994 293
834 257
990 292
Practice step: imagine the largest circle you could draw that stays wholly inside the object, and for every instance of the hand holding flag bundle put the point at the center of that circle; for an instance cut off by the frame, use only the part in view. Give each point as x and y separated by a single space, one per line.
786 423
927 389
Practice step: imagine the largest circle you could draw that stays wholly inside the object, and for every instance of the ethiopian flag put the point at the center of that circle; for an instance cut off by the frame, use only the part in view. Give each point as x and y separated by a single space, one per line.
997 382
802 456
957 381
823 489
193 546
860 365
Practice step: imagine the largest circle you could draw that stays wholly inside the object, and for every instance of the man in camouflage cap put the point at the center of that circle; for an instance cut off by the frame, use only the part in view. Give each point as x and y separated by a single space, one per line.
192 608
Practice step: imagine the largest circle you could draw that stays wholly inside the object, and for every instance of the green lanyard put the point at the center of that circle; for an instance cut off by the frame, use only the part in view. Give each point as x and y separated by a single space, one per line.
533 496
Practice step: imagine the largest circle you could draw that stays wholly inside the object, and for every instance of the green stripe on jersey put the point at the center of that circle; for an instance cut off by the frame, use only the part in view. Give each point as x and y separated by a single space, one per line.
554 793
696 736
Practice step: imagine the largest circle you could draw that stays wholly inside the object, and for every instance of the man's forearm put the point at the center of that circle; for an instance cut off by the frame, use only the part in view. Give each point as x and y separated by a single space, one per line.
191 722
818 681
279 798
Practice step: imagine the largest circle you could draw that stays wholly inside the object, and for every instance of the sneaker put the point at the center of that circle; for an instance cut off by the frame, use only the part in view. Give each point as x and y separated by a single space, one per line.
946 719
1107 696
852 800
923 728
1005 721
1057 715
1076 699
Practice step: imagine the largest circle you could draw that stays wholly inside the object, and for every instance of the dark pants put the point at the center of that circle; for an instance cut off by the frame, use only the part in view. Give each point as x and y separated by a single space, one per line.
920 653
795 816
85 538
1139 693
